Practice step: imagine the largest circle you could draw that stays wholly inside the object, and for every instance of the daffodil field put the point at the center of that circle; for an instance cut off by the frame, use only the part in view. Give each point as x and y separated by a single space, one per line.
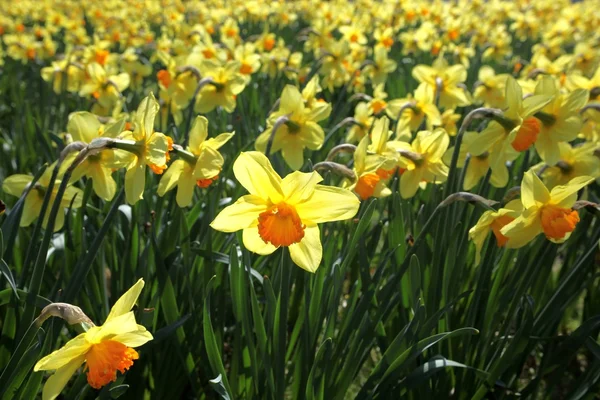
309 199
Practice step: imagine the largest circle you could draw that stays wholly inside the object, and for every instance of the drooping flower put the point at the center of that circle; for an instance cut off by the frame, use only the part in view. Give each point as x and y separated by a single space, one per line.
104 349
283 212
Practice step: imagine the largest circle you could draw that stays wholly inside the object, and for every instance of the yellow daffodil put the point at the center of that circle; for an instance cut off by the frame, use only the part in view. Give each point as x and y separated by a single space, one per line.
518 128
147 147
300 131
574 161
199 166
283 212
375 162
415 111
382 66
105 89
479 165
104 349
85 127
427 167
17 184
227 83
176 89
493 221
445 79
547 212
560 119
64 76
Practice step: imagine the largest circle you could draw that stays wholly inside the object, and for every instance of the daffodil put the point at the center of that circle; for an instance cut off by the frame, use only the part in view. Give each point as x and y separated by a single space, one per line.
518 127
493 221
85 127
17 184
560 119
443 80
381 67
283 212
64 76
574 161
199 166
176 86
414 111
301 129
544 211
104 349
427 165
104 88
226 84
147 147
479 165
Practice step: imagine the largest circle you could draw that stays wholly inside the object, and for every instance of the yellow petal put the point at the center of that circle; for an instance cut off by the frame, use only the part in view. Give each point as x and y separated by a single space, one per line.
328 203
293 154
15 184
146 114
198 133
126 301
523 229
254 243
57 381
566 195
74 348
32 208
134 339
169 179
209 163
104 185
240 215
298 186
533 191
83 126
116 325
308 252
219 140
156 149
185 188
409 182
254 171
135 182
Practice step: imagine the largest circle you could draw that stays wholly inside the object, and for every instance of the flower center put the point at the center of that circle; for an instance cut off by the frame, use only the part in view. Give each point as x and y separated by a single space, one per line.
164 77
269 43
558 221
527 134
105 358
101 56
378 106
498 224
387 42
365 187
204 183
246 69
280 225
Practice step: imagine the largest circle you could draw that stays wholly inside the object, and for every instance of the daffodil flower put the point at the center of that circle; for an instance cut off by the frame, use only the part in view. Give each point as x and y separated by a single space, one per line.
479 165
85 127
414 113
105 89
199 166
226 84
147 147
445 79
518 128
493 221
364 118
283 212
17 184
490 87
371 175
547 212
573 161
381 67
560 119
104 349
428 166
300 131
